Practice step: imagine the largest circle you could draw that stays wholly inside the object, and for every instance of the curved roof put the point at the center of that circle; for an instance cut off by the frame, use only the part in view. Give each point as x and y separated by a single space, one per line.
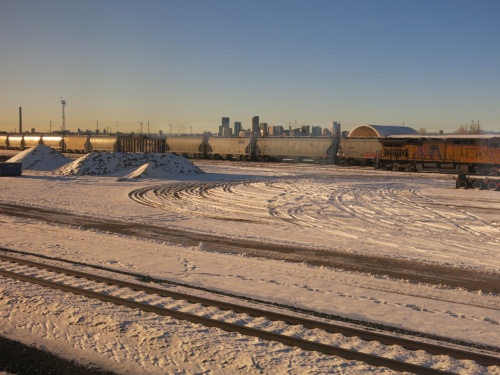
377 131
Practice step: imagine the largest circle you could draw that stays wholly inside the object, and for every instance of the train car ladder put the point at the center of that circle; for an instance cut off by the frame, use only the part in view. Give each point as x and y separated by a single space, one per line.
376 160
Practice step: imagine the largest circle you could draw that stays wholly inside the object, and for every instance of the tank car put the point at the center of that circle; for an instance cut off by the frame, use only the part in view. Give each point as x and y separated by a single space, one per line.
4 141
53 141
16 142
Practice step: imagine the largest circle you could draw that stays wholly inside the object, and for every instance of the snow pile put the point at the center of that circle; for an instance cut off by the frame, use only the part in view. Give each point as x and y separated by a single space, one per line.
130 165
40 158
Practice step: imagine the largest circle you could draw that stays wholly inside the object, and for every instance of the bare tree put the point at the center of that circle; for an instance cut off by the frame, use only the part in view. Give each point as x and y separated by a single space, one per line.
422 130
473 128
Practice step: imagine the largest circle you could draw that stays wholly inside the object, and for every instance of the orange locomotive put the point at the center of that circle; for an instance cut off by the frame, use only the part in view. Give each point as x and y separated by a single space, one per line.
473 153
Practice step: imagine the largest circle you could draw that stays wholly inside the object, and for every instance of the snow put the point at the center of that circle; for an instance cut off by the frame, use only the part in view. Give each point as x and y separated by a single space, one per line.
134 165
40 158
325 209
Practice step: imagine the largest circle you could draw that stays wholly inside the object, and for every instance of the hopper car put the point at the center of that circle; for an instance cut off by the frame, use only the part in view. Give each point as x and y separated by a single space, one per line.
302 149
189 147
231 148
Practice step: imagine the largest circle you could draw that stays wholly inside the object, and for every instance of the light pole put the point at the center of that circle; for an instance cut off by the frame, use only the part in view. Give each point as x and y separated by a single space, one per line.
63 103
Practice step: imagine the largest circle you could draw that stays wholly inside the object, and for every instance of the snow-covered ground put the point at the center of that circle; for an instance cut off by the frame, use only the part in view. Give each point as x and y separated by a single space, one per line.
421 218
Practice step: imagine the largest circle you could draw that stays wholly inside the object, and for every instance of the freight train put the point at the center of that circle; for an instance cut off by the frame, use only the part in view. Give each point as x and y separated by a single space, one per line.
474 153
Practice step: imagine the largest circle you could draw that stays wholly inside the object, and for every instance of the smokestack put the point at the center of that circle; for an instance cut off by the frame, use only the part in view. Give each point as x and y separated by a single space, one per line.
20 120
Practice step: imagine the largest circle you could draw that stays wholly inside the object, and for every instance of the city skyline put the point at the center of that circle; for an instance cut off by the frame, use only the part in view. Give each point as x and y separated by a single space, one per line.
183 65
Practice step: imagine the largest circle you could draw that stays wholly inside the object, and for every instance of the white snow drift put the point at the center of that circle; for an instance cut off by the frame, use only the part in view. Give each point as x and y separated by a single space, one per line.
125 165
40 158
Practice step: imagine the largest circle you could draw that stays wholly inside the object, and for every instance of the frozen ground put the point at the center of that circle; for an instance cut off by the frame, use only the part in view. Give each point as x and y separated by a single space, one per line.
327 209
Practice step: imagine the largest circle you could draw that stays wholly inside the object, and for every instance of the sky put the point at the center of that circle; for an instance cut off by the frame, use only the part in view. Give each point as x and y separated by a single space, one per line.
181 66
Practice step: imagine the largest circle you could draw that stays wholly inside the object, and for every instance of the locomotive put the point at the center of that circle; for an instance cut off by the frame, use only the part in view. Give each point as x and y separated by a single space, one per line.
473 153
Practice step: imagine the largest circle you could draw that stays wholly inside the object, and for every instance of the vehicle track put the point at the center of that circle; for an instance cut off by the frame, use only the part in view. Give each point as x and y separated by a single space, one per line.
402 214
390 209
468 279
152 299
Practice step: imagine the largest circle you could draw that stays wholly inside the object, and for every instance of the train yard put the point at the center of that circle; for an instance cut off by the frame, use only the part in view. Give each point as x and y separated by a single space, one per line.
402 254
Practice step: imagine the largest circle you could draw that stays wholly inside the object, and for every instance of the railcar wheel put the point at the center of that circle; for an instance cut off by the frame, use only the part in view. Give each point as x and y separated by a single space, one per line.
477 185
462 184
492 185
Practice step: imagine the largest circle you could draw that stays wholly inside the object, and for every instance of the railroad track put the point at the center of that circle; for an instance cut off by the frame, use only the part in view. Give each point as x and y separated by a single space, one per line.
23 269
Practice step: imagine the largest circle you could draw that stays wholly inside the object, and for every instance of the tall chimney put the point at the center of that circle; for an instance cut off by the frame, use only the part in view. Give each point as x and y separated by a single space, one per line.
20 120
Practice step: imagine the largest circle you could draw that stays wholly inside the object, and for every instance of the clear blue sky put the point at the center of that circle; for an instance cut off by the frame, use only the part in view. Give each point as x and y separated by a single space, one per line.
431 64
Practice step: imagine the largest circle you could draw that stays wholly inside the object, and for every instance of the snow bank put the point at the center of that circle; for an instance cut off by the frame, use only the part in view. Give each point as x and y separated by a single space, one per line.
40 158
129 165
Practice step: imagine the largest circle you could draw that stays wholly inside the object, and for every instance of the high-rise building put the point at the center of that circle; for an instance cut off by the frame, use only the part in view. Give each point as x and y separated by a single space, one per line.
335 128
237 128
255 125
263 129
276 130
316 131
224 129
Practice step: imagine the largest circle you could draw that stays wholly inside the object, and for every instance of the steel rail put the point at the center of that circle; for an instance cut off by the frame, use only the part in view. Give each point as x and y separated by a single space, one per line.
230 327
435 349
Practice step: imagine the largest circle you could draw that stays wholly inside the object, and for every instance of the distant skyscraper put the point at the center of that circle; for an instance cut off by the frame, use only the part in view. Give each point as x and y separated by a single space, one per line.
224 131
276 130
255 125
224 128
316 131
263 129
335 128
237 127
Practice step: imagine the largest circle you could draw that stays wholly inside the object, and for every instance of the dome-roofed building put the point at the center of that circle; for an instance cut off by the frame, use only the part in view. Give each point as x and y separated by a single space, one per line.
379 131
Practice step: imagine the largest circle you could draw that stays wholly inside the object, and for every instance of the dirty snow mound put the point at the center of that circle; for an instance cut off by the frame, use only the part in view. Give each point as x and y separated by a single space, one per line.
40 158
130 165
